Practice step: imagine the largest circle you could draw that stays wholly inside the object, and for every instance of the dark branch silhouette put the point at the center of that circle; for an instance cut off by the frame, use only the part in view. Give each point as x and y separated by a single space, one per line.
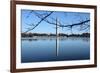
44 16
39 16
39 22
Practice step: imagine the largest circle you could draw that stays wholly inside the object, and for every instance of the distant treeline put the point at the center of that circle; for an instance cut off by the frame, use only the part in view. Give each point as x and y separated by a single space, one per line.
60 34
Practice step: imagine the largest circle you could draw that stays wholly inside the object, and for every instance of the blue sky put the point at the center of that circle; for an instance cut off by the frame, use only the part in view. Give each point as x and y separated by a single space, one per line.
66 18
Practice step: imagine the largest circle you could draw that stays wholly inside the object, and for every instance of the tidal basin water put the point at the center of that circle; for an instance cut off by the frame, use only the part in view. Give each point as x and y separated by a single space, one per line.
44 50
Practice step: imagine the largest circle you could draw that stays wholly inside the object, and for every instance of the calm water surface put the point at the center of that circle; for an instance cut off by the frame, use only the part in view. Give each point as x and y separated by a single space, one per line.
41 50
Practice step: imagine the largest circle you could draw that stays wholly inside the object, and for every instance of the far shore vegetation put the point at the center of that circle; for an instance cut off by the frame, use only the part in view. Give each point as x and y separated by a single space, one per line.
25 35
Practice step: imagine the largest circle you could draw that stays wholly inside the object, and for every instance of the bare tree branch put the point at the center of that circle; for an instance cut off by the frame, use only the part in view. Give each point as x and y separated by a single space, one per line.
76 24
44 16
39 22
